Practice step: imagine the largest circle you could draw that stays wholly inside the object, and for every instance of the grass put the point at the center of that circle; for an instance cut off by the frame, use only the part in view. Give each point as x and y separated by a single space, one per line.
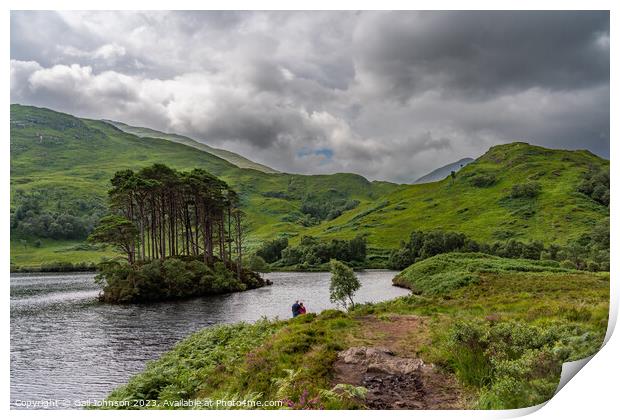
245 362
195 362
25 255
556 215
74 158
504 338
446 272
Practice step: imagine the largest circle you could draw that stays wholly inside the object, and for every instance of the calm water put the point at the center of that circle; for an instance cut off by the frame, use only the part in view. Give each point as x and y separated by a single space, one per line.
65 346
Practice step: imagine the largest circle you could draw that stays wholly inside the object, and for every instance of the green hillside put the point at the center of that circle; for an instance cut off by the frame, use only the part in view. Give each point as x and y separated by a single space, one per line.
478 201
67 163
63 165
231 157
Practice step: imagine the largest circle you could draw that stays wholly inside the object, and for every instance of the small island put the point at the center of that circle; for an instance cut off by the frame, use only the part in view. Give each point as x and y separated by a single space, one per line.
181 234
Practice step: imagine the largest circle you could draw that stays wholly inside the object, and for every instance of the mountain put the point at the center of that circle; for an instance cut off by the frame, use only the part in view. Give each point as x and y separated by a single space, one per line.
61 166
478 201
441 173
231 157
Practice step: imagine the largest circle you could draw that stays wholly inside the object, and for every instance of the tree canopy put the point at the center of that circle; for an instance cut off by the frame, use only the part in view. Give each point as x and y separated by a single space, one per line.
343 285
159 212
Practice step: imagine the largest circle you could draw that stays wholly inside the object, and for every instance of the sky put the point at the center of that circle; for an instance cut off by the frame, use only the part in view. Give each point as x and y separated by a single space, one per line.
388 95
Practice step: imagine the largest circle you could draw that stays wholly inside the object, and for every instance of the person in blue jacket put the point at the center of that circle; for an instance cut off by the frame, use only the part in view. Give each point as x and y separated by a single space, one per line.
295 308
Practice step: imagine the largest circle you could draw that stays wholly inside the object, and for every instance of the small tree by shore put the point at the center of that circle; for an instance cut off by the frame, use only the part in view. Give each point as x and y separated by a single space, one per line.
344 284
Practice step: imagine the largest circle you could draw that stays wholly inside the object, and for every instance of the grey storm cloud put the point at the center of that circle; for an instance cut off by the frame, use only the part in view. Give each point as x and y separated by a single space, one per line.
485 53
389 95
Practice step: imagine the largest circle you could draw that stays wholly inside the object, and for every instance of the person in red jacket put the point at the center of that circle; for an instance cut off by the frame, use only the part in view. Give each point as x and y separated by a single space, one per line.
302 308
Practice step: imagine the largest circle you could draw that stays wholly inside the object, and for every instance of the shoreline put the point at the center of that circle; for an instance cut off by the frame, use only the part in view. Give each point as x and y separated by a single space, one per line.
85 267
33 270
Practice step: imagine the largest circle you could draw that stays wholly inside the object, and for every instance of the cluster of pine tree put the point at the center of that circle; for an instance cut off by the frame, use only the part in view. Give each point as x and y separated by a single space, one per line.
159 213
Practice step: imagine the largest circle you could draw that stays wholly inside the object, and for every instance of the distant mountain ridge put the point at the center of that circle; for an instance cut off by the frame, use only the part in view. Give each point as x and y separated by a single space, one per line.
440 173
234 158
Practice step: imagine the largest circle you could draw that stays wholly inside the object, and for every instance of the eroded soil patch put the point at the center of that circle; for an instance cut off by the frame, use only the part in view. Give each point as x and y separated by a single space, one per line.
389 369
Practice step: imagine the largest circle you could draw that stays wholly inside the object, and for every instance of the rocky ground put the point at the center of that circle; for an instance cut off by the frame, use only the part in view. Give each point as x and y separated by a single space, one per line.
389 369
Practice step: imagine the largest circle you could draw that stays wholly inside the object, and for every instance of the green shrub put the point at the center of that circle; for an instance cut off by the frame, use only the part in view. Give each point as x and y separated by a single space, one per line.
596 186
515 364
527 190
271 251
326 207
258 264
423 245
64 266
482 180
70 219
593 266
568 264
312 252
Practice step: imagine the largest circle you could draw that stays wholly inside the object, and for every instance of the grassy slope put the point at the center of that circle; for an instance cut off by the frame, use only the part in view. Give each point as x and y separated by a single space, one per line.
77 157
25 254
445 272
560 213
231 157
568 311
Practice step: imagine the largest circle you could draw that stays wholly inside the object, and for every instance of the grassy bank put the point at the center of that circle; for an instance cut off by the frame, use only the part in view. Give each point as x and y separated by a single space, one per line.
502 338
446 272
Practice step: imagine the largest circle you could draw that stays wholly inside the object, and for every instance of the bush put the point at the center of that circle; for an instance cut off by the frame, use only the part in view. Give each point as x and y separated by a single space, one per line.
422 245
596 186
527 190
568 264
482 180
256 263
593 266
446 272
68 219
64 267
326 208
516 364
588 252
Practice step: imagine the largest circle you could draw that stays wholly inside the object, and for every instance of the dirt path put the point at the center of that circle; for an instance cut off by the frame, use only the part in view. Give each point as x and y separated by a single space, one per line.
387 364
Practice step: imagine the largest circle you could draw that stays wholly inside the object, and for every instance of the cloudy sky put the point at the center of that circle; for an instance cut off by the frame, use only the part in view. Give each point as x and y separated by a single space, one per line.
387 95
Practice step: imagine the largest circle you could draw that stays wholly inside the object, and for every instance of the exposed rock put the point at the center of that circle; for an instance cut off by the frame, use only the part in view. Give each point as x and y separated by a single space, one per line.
395 382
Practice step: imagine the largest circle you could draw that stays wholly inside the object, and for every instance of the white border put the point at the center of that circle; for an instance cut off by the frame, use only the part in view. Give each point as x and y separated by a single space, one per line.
592 393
